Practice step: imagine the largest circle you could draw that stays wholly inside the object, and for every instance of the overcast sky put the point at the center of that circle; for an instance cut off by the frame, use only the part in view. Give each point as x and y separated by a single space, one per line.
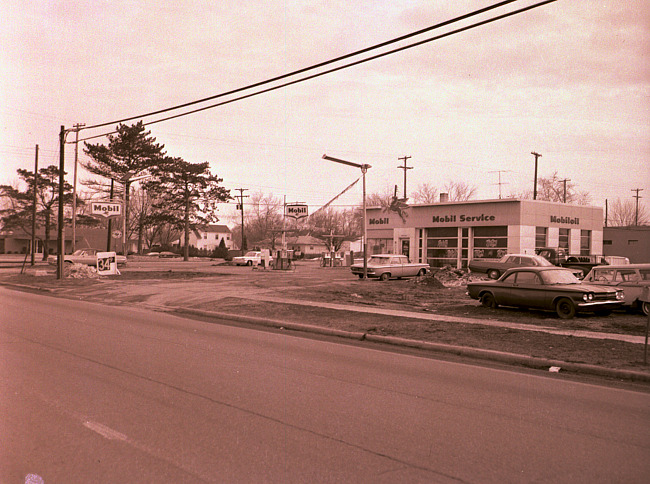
569 80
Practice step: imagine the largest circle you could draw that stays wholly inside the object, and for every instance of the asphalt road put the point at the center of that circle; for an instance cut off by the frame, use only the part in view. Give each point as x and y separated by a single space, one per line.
92 393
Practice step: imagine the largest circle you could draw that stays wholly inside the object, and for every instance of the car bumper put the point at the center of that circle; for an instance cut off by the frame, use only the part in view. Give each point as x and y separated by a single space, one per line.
598 305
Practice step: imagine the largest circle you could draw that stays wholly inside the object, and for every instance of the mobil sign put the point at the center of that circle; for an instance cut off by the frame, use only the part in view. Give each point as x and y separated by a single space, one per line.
106 209
297 210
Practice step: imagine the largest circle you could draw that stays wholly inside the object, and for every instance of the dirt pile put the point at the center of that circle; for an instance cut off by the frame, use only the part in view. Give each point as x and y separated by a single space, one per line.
446 277
80 271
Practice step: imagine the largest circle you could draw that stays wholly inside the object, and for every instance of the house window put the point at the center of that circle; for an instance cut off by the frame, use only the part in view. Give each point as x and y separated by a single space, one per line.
585 242
564 238
541 236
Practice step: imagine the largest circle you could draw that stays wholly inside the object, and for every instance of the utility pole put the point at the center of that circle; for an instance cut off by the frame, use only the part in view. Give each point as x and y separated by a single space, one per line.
110 222
536 155
34 208
637 196
77 127
564 181
241 207
499 172
404 158
60 249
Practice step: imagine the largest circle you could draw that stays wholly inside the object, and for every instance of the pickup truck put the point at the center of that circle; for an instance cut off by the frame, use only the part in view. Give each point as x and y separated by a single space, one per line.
385 266
495 267
558 256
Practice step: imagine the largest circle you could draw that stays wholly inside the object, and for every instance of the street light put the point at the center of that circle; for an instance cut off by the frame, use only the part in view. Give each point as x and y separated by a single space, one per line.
364 169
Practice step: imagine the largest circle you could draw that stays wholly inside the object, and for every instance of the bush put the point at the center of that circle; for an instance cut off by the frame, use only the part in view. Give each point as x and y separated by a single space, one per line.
221 252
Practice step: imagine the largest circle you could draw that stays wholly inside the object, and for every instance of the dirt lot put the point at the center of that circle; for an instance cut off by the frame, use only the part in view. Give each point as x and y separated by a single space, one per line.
226 289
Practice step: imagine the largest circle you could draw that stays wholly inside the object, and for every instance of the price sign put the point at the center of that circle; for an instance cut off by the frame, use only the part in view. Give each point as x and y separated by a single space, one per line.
106 263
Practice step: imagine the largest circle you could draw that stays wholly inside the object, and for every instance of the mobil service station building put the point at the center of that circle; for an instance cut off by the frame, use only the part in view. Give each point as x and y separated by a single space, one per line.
453 233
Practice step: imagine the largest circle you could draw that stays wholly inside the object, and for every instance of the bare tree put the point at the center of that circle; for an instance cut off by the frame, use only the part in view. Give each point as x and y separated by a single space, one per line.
460 191
622 213
555 189
334 227
263 218
426 193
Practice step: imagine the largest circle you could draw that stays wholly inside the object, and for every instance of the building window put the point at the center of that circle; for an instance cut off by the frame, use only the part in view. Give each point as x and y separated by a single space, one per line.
607 242
564 238
380 246
585 242
442 246
632 242
541 237
490 242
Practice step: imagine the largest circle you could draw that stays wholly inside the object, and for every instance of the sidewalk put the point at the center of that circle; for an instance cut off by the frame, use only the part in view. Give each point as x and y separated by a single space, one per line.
454 319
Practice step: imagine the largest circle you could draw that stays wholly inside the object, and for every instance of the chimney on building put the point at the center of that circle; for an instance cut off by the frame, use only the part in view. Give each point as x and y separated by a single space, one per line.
444 197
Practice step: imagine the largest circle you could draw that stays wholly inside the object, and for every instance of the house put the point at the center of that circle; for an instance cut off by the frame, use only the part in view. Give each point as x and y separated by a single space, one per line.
306 245
209 237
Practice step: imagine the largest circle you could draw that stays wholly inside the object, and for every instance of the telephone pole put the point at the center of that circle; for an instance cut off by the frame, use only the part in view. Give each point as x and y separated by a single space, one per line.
77 127
564 181
241 207
536 155
637 196
404 158
34 208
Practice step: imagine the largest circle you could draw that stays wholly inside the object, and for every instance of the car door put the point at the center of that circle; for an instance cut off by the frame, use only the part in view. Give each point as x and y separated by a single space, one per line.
505 291
396 266
529 290
629 280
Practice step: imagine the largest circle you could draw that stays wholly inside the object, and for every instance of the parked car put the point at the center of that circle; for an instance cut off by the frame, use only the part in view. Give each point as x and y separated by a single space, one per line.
630 278
166 254
253 257
84 256
581 264
495 267
385 266
547 288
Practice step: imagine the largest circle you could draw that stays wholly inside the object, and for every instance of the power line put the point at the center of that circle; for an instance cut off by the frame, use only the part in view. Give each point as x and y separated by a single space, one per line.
329 71
312 67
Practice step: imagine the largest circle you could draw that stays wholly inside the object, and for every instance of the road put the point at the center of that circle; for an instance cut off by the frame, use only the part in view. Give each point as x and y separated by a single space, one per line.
93 393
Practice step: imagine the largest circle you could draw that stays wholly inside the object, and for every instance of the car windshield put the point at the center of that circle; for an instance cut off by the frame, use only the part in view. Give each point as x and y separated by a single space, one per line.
78 252
250 254
559 276
379 260
542 262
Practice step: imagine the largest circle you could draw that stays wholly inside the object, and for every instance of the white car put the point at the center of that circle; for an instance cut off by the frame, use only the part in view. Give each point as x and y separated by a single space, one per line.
253 257
84 256
385 266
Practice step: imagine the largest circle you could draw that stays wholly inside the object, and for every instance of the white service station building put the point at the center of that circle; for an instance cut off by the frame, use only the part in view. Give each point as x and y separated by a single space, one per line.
452 233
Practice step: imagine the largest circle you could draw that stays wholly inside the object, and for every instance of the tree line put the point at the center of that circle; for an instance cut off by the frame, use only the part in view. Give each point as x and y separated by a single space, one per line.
174 197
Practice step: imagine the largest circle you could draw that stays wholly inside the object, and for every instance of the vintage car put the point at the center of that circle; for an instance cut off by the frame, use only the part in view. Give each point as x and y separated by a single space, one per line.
630 278
84 256
495 267
547 288
253 257
385 266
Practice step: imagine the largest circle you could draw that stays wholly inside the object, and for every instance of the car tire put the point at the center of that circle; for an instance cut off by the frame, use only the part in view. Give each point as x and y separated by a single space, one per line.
360 276
384 277
249 262
493 274
645 308
422 272
488 301
565 308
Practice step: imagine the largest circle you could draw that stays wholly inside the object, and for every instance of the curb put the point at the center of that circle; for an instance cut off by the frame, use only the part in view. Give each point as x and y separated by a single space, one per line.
476 353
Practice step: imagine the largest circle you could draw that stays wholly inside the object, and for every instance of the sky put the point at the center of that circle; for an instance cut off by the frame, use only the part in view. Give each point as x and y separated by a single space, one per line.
569 80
